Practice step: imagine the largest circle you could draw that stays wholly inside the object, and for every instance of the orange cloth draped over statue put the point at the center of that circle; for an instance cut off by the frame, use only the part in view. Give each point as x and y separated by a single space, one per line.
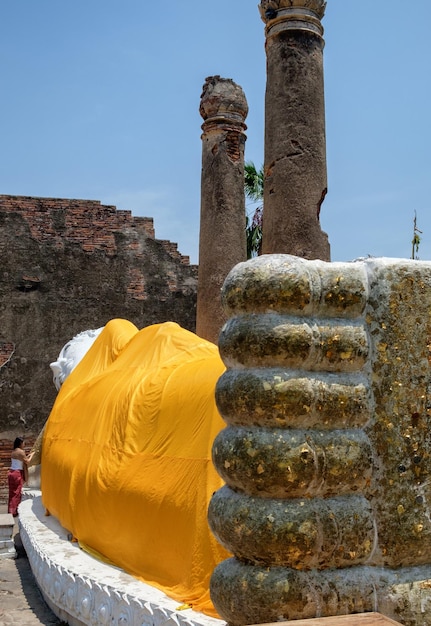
126 456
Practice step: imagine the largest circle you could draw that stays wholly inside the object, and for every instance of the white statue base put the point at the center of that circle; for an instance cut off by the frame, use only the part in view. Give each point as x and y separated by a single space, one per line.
81 590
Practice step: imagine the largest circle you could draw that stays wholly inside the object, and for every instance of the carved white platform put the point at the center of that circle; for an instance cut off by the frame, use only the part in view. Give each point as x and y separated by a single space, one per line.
82 590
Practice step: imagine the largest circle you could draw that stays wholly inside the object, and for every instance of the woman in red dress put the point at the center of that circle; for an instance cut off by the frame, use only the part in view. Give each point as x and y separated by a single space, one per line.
17 474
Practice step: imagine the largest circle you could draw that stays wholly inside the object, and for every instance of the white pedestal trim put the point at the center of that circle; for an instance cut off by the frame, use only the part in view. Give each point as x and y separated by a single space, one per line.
82 590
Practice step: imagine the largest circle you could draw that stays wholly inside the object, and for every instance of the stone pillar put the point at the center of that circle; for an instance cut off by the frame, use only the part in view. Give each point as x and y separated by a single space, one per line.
295 182
327 452
222 239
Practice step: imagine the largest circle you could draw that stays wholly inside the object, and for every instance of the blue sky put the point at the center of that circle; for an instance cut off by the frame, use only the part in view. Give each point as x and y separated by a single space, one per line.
100 100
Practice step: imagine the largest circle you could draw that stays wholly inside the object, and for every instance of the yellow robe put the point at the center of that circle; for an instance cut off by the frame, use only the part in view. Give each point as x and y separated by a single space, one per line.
126 456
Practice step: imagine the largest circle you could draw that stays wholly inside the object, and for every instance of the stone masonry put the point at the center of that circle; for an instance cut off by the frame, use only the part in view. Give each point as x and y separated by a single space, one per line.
327 452
295 182
222 239
69 266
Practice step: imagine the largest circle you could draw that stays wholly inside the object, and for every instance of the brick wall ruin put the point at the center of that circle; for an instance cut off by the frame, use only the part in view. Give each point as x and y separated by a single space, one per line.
68 266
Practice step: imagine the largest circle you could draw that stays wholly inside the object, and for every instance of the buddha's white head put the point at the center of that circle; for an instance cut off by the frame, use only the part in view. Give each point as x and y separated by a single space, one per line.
71 354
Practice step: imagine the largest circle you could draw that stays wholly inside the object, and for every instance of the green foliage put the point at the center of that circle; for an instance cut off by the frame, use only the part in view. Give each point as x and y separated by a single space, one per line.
416 239
253 182
253 187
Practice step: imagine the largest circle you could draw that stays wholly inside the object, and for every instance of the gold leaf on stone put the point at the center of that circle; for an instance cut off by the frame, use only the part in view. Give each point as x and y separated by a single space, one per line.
346 355
283 585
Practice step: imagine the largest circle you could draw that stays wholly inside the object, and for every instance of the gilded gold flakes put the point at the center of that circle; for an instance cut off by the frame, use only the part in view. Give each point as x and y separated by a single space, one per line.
346 355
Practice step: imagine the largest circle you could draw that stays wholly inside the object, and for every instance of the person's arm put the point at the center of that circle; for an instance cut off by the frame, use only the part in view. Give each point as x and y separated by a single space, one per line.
25 461
22 456
28 457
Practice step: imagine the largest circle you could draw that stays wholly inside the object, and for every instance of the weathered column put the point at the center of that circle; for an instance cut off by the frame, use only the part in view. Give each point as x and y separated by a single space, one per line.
295 181
222 241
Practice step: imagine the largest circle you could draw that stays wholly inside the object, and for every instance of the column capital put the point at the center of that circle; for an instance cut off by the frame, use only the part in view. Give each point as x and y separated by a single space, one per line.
280 15
222 100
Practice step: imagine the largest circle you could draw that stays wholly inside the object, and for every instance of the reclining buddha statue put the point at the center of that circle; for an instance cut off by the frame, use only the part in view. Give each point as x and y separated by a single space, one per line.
126 455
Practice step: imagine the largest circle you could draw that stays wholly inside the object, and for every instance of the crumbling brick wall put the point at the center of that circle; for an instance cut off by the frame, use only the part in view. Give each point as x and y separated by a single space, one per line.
68 266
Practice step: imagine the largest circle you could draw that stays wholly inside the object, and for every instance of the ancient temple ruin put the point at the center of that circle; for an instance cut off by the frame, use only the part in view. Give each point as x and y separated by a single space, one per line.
326 454
67 266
